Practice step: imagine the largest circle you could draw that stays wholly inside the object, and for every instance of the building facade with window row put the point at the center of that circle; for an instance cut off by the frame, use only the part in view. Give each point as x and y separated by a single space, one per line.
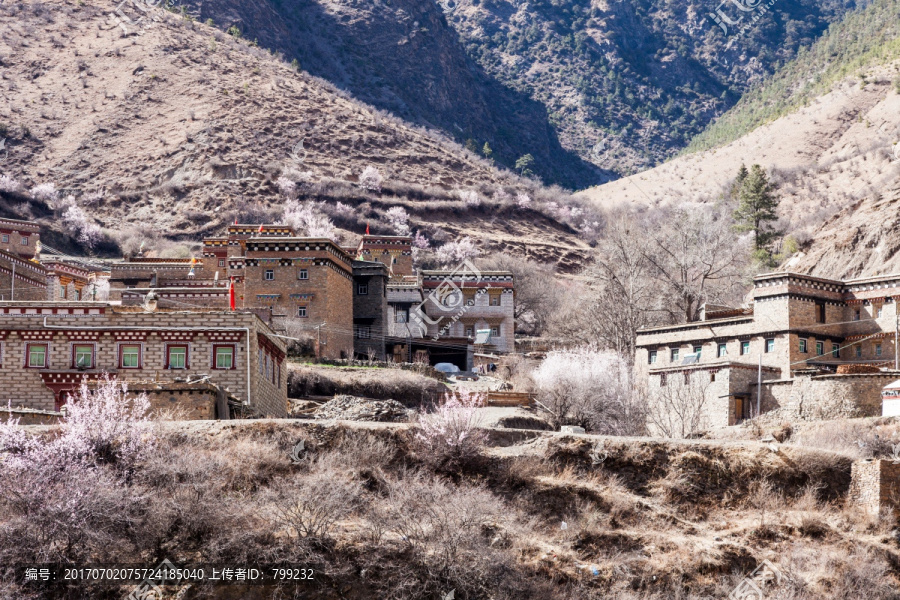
316 291
48 348
803 330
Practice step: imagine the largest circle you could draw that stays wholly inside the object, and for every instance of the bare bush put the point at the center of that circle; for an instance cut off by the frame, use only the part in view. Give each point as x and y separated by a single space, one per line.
449 533
310 505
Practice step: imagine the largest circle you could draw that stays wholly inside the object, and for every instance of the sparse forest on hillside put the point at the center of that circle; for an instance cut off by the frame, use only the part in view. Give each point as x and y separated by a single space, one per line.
865 37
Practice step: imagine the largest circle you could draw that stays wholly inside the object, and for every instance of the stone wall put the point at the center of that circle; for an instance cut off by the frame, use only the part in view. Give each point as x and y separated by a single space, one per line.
29 416
106 329
715 390
875 485
811 398
31 281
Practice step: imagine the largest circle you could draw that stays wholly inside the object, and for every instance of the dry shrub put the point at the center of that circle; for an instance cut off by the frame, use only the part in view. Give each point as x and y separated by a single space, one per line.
859 438
365 455
441 537
311 504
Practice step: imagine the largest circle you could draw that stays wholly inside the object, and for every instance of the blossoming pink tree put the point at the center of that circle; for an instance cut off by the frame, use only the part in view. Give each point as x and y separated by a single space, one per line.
451 436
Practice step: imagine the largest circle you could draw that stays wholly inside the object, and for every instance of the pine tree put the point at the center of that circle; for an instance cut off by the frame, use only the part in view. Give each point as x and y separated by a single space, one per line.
757 211
739 180
524 164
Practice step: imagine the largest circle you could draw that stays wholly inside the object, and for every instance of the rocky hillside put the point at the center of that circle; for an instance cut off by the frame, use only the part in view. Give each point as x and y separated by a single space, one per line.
375 515
401 56
170 127
827 128
622 85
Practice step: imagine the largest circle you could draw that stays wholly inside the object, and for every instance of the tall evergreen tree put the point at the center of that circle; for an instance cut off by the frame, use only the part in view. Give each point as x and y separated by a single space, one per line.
739 180
757 211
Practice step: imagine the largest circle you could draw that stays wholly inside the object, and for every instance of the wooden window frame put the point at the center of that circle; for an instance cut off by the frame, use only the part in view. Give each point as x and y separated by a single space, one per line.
303 275
305 314
266 274
92 346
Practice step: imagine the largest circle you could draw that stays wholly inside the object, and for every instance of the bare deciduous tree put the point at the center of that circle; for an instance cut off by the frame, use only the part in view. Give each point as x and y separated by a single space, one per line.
538 294
697 258
679 408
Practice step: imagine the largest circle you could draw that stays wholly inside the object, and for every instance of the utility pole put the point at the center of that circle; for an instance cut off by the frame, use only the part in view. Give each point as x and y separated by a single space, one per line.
318 342
896 336
12 292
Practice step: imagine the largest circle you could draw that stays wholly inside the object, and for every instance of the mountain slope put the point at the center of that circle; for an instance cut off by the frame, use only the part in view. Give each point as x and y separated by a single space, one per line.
181 129
868 36
401 56
623 85
830 142
833 162
627 84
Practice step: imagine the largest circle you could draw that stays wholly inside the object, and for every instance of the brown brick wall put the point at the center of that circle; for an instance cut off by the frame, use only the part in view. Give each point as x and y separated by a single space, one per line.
328 293
14 245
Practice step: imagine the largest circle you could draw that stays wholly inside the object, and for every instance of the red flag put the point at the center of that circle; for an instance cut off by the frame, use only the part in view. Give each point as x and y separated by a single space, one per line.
235 220
231 294
260 228
367 229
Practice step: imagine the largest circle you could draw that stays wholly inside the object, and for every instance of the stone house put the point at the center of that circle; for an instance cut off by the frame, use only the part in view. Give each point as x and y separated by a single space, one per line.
803 336
459 303
48 348
308 284
313 290
26 274
370 308
393 251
